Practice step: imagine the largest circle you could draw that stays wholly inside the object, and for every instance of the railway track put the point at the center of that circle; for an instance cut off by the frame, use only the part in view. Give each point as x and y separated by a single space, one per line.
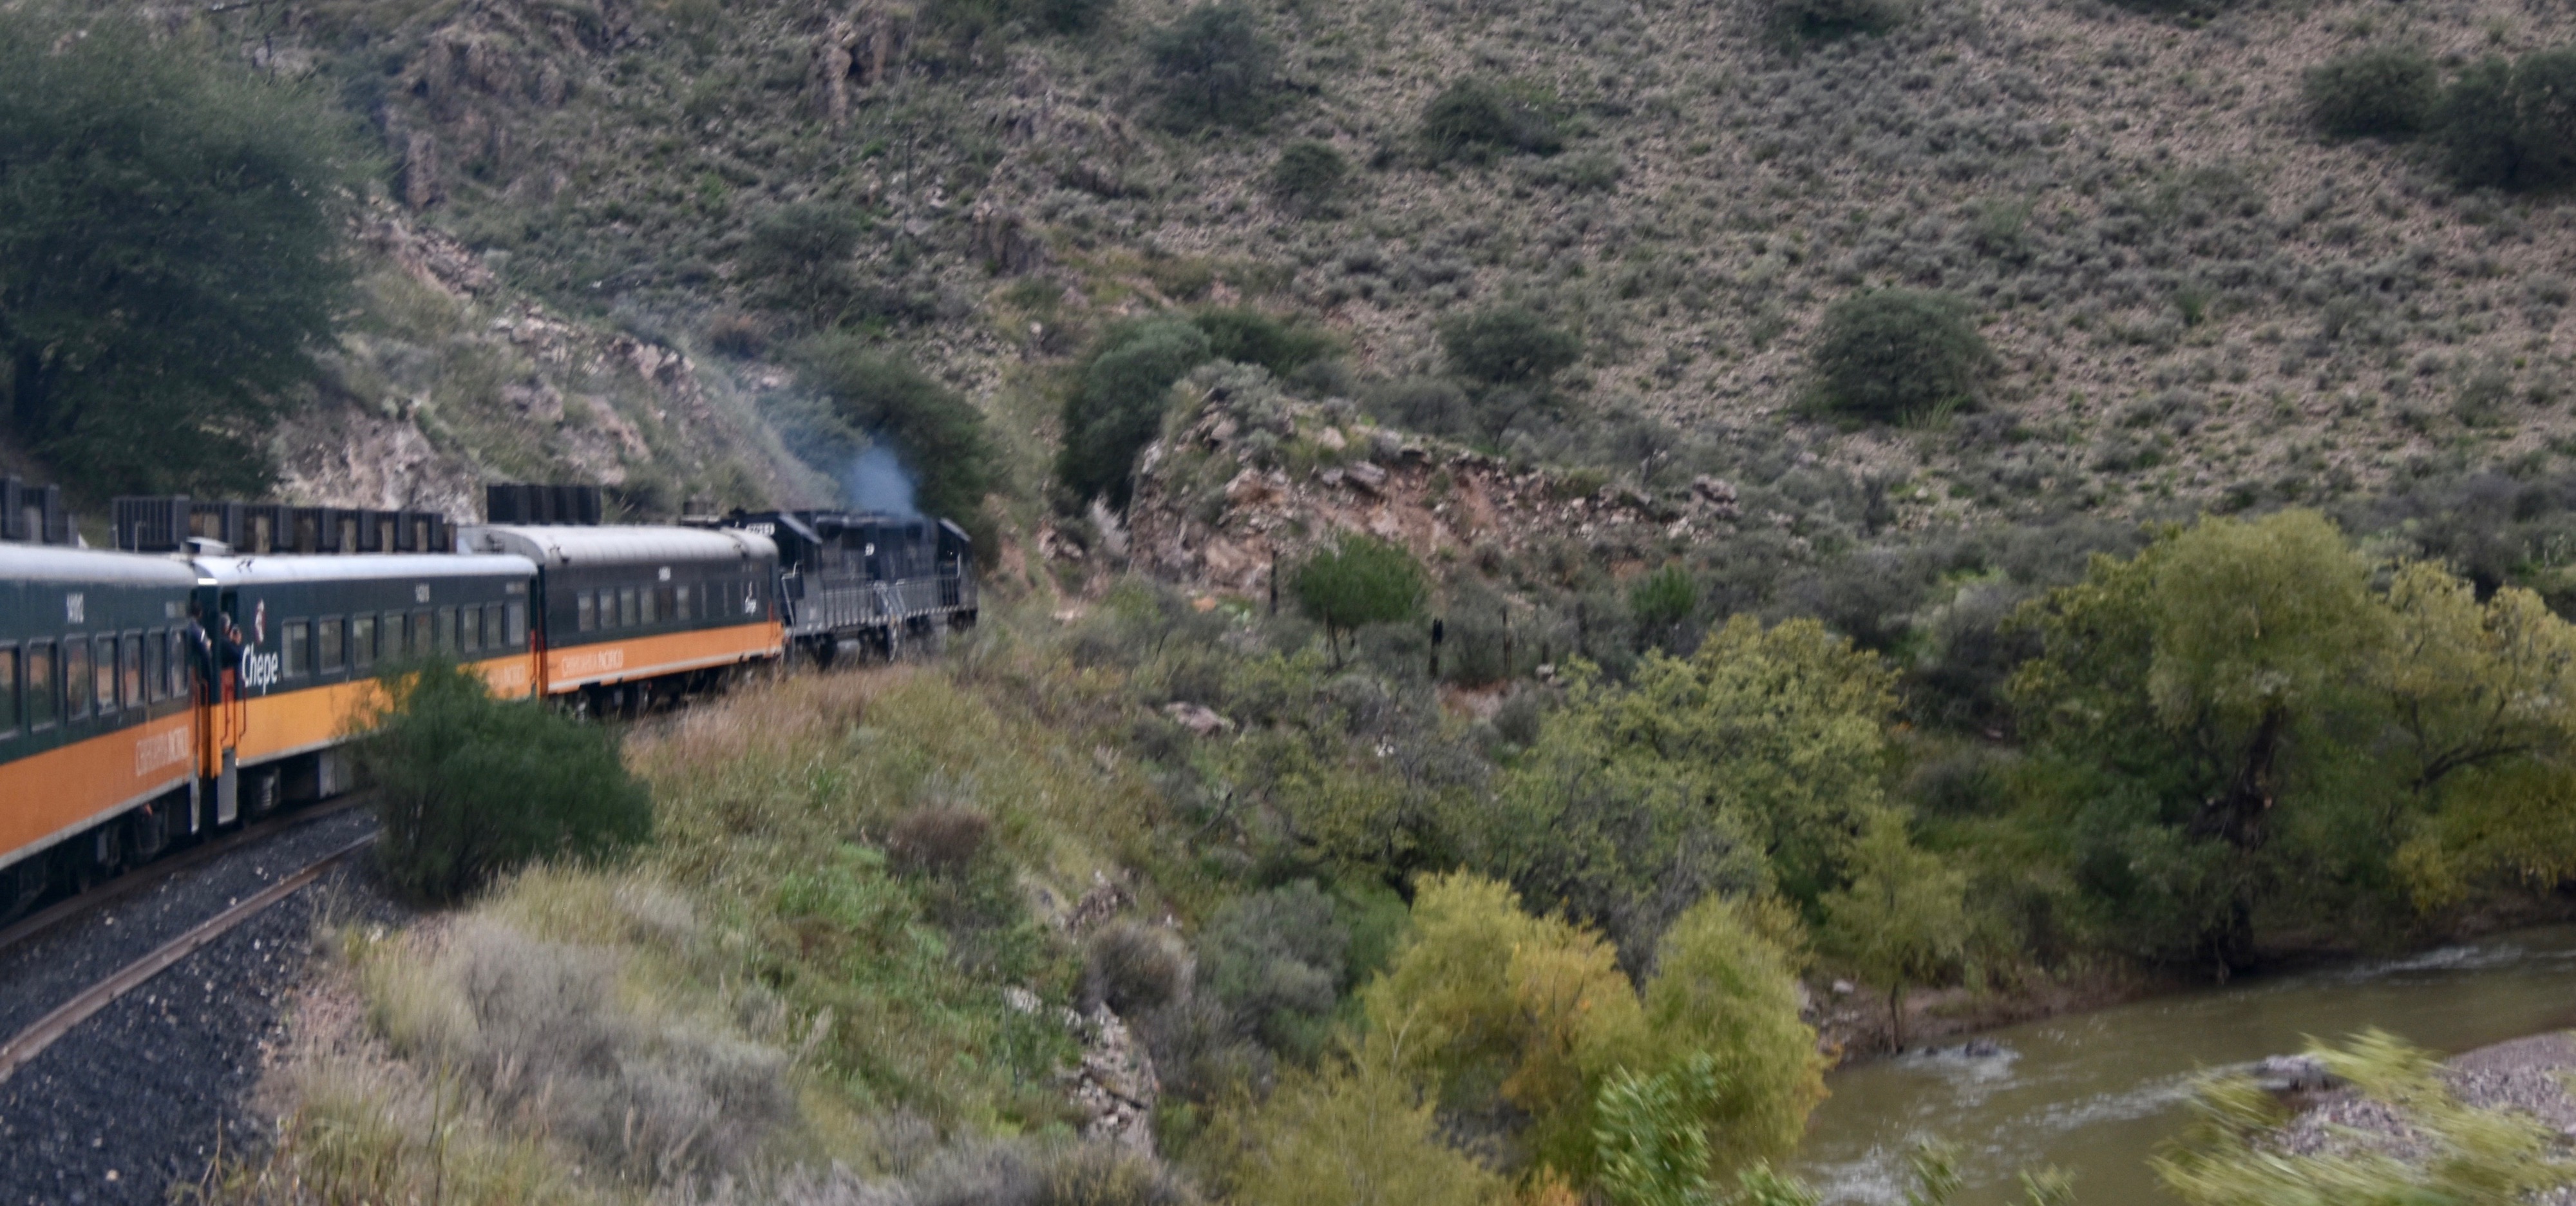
27 1044
81 905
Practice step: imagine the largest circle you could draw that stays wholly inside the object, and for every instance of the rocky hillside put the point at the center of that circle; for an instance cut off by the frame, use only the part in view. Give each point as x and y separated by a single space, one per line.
448 378
2193 295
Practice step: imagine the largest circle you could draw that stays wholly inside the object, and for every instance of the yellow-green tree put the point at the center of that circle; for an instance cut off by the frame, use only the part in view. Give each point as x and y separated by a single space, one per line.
1488 1004
1904 918
2484 696
1724 992
1778 731
1357 1132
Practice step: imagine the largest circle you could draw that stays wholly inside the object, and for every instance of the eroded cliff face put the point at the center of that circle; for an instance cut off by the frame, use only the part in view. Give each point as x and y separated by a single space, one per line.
447 380
1249 479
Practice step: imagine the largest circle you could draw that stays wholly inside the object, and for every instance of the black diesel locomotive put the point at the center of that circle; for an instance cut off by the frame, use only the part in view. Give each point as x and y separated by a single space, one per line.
207 669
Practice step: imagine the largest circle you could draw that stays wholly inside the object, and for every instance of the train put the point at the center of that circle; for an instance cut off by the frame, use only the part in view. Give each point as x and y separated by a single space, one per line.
211 667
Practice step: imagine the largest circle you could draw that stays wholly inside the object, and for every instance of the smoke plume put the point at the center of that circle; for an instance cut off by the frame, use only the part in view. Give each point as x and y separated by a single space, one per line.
877 481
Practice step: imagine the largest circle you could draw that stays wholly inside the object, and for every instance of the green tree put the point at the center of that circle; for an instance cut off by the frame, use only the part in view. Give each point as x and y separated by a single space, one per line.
798 258
170 229
1894 354
2458 1154
1508 345
2387 91
1903 920
1782 730
1215 65
1120 394
1358 580
2195 683
469 786
938 434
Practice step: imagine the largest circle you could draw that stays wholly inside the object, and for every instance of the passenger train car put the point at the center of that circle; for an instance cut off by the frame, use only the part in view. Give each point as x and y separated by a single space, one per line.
97 725
632 616
214 666
299 640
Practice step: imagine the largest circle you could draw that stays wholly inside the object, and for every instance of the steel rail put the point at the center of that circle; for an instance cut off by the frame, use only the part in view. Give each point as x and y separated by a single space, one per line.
27 1044
158 870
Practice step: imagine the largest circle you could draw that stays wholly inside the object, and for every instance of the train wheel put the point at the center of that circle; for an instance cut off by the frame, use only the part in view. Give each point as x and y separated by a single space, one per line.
22 883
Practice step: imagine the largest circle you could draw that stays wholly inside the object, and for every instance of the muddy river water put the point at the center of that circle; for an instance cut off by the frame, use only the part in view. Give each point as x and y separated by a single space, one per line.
2094 1093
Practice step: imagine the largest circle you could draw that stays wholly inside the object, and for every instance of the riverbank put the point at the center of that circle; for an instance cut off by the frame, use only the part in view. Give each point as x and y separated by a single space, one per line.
1854 1027
2527 1076
2095 1091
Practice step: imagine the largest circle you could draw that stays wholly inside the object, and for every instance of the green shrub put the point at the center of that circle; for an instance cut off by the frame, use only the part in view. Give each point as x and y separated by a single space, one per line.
1508 345
1359 580
1309 176
1663 601
1068 16
800 257
1214 66
1132 968
1827 20
1425 404
1475 120
1248 336
936 432
2512 126
2389 91
1894 354
469 786
1118 400
1276 960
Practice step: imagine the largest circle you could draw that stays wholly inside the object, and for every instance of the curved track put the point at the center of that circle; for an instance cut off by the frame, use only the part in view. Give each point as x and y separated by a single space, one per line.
82 904
33 1040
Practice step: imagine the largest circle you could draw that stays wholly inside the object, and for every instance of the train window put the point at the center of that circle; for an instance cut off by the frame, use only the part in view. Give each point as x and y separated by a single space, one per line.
156 681
518 632
103 674
390 636
424 639
686 610
76 684
585 612
41 702
446 630
8 692
174 668
331 649
647 598
492 626
297 639
362 641
131 666
469 630
626 610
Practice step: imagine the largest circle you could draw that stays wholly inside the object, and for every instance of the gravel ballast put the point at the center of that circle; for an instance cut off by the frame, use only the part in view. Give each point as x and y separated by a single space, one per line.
136 1097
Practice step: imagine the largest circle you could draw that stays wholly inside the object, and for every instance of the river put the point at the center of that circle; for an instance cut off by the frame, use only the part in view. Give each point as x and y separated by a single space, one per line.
2094 1093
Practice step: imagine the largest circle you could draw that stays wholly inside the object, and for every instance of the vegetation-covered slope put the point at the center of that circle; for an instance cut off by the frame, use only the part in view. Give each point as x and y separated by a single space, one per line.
2193 291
